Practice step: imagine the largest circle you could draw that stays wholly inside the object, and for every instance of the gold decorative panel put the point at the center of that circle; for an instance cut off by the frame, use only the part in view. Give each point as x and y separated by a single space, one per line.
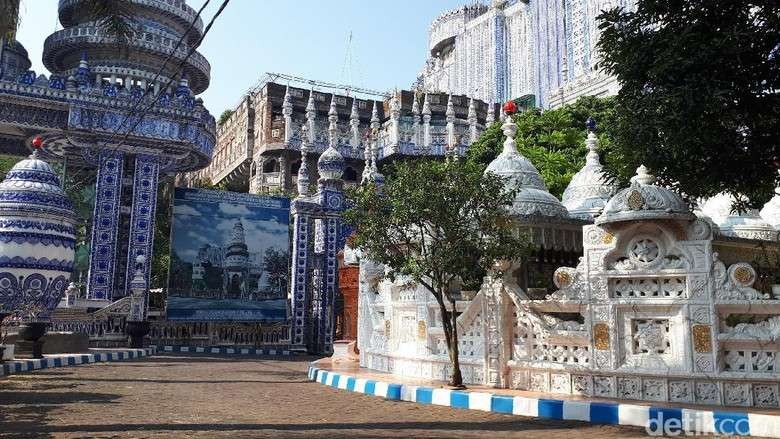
421 333
387 328
635 200
702 339
608 238
601 336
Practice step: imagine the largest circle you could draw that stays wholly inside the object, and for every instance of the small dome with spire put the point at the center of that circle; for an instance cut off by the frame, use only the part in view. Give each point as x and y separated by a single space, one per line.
532 198
331 162
643 200
771 210
748 224
588 192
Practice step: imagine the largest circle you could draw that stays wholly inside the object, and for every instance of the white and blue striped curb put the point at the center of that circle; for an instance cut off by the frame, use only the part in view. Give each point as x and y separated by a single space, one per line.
19 366
651 418
221 350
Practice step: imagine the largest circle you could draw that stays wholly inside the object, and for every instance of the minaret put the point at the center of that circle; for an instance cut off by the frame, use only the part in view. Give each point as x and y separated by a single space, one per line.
287 111
472 118
303 170
354 123
490 119
416 121
426 117
452 147
395 125
368 152
311 116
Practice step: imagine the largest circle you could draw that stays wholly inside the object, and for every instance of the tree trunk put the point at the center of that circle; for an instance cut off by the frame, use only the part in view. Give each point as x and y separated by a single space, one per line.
457 377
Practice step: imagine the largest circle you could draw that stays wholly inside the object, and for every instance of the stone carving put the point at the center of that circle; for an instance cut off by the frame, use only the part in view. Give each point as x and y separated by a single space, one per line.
736 394
654 390
582 385
680 391
700 314
707 393
736 282
602 386
765 395
559 383
768 330
704 364
651 336
629 388
538 382
699 230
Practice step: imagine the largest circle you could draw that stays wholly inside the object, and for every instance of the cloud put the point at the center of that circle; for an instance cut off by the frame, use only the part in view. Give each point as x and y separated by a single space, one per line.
234 209
183 209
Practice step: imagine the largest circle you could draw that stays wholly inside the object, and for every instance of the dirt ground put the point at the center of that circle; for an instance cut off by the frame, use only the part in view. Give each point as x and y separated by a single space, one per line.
201 396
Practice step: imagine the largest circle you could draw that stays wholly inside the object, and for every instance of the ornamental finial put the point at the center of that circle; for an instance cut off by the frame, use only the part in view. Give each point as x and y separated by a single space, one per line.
510 129
333 117
643 176
590 124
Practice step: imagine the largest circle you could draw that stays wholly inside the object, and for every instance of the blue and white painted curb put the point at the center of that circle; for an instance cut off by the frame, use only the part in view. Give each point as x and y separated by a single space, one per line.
657 420
222 350
65 360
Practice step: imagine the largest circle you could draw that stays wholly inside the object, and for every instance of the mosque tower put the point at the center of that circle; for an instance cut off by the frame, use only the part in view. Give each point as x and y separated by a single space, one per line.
236 264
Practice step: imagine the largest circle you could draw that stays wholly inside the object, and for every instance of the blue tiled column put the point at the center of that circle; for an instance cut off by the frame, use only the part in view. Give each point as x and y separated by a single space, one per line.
299 278
102 259
147 169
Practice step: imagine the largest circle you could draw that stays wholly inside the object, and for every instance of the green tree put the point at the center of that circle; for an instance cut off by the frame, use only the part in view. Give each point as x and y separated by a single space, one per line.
436 224
553 140
699 102
224 117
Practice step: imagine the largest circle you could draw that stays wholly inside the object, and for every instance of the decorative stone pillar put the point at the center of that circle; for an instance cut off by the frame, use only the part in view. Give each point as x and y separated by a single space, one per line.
354 123
472 118
102 257
395 126
141 237
137 326
315 254
311 116
452 146
287 111
426 117
416 121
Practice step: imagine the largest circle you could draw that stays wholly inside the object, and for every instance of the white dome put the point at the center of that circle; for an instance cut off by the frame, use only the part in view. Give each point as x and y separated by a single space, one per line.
588 192
532 197
771 211
645 201
747 224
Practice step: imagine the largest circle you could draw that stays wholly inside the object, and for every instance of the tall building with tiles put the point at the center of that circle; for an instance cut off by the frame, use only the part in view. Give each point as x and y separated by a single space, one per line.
541 50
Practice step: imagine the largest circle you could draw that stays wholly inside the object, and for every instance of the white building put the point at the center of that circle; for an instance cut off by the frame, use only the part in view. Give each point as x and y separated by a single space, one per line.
519 48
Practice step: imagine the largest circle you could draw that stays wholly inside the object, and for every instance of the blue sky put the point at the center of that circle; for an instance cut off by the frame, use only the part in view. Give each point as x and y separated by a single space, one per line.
305 38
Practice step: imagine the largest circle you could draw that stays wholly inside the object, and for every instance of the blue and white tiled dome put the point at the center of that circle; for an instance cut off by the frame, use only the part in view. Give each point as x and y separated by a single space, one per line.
331 164
532 197
37 239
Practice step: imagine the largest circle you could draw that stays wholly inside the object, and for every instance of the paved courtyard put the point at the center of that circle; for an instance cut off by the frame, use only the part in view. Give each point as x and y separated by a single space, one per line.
195 396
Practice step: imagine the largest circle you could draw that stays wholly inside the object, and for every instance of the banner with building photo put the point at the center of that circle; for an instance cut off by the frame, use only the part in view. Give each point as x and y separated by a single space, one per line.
229 256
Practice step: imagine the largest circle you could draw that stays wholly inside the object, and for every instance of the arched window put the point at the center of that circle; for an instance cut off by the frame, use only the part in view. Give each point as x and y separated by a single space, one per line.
295 167
271 166
350 174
